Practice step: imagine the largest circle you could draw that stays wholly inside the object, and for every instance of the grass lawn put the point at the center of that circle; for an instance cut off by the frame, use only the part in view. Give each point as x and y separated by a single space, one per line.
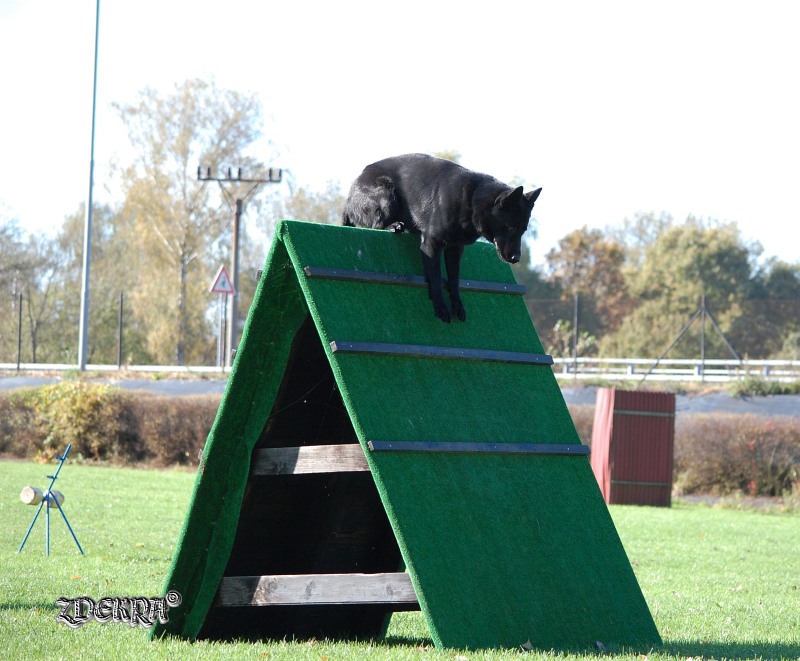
721 583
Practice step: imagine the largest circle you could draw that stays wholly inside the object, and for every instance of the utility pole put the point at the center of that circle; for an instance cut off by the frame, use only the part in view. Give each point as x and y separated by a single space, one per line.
575 334
236 204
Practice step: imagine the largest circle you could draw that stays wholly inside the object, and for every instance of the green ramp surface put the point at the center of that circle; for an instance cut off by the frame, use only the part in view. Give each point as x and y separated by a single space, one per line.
502 548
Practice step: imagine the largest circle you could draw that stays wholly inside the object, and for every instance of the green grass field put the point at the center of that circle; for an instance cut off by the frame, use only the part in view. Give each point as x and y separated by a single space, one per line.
721 583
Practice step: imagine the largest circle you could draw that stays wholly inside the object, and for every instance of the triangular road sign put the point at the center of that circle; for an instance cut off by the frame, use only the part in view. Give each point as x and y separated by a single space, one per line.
222 283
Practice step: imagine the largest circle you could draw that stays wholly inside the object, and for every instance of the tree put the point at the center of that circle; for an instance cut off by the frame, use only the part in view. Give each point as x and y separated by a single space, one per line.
685 263
770 313
181 224
449 155
14 265
320 207
636 235
542 297
114 265
31 268
588 265
695 259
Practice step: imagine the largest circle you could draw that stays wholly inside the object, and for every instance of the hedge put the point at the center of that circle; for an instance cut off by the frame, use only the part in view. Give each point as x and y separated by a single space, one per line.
719 454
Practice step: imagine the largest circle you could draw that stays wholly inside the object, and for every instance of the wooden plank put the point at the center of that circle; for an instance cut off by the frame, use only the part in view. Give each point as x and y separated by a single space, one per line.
495 448
344 458
410 280
426 351
317 589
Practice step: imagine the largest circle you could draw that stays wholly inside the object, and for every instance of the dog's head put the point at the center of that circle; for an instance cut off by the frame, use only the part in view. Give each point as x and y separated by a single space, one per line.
508 220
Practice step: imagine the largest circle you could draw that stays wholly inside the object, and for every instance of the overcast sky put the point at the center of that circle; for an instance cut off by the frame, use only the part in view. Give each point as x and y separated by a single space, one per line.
613 108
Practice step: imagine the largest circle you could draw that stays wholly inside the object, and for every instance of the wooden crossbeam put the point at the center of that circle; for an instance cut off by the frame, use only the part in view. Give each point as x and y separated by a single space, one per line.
389 589
344 458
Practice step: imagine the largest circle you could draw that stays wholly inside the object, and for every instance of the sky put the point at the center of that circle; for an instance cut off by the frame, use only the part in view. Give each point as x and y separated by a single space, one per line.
613 108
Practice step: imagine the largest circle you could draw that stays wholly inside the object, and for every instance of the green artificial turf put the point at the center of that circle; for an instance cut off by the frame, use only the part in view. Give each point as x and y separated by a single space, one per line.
503 550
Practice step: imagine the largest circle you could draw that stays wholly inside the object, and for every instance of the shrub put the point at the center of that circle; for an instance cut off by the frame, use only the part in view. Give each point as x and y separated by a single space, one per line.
759 386
73 412
104 424
724 454
714 453
18 428
583 417
171 430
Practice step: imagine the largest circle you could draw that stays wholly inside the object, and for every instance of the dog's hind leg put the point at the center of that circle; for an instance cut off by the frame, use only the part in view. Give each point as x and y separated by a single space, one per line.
432 263
452 263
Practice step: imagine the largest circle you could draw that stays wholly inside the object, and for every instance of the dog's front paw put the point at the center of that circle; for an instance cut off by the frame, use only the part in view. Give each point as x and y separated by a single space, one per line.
457 306
441 311
397 228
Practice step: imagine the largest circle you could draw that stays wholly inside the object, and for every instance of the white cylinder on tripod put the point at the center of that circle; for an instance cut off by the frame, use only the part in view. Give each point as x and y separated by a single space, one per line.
31 496
34 496
54 496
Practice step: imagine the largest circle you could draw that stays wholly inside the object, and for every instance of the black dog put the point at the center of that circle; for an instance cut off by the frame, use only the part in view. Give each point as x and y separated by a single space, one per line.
450 207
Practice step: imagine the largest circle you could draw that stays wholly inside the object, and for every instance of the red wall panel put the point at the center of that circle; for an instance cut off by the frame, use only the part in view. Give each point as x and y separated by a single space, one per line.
632 446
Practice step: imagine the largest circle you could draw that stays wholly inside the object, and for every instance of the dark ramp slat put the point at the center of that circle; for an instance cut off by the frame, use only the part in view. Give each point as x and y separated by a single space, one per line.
425 351
410 280
496 448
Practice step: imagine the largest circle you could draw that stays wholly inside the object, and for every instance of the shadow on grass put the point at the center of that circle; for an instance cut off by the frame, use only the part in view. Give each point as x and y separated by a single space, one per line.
733 651
682 650
41 605
405 641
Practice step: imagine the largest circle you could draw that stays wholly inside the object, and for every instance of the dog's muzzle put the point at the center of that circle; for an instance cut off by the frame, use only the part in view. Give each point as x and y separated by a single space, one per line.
511 259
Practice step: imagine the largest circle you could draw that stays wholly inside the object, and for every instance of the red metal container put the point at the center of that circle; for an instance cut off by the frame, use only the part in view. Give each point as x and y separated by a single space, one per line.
632 446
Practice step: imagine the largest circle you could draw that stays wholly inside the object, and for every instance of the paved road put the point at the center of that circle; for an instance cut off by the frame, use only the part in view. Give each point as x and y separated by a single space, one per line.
716 402
769 406
153 386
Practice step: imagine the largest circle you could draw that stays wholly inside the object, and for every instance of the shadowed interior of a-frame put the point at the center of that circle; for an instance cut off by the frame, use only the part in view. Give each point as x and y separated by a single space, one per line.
309 523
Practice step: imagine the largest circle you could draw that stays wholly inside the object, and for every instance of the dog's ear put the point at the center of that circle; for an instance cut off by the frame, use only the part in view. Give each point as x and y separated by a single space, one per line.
532 196
510 198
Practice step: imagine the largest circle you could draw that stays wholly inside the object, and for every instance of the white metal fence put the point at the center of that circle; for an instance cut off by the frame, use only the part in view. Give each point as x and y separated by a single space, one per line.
624 369
676 369
152 369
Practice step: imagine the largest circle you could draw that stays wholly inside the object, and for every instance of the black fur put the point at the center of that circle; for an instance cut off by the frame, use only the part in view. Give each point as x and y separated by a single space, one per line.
449 206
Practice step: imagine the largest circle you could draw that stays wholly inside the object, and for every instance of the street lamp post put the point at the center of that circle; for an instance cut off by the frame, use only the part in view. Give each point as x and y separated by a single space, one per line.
83 332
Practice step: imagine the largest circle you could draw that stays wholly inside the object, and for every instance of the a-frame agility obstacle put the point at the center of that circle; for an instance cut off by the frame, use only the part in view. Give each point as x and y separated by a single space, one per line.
367 458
